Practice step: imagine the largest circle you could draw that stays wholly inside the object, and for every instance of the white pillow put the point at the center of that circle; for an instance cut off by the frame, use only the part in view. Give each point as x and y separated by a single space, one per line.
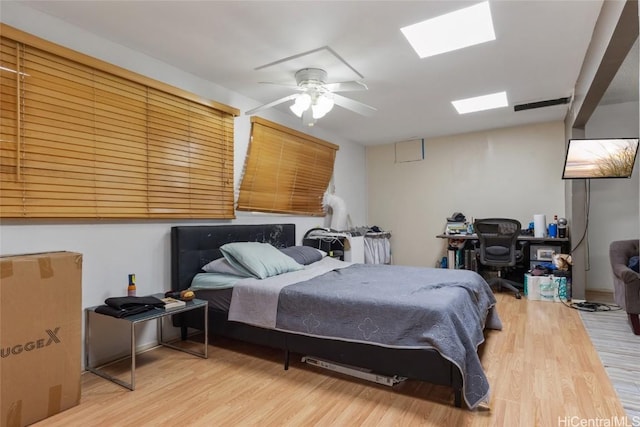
261 260
221 265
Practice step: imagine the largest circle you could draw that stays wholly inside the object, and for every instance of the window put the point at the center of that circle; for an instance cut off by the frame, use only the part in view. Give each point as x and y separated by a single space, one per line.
285 171
85 139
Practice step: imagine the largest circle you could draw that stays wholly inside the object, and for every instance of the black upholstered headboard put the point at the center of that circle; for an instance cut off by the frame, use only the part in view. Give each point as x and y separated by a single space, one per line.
194 246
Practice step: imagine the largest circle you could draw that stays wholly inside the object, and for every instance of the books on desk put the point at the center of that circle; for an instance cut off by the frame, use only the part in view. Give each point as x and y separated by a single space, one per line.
172 303
456 228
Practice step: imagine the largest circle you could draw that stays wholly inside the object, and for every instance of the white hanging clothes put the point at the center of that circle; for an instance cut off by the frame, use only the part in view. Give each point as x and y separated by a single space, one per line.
377 248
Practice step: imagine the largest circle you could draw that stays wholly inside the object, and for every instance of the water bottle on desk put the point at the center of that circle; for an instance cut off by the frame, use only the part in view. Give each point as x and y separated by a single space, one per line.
562 227
553 227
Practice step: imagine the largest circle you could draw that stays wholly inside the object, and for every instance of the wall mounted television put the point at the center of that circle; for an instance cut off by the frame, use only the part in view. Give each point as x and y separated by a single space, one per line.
600 158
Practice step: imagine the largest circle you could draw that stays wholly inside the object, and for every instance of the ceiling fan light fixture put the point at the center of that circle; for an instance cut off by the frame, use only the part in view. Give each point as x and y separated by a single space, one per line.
301 104
316 97
322 106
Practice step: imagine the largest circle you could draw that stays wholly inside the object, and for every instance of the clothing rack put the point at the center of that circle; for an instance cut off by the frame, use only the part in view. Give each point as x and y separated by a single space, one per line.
378 235
377 247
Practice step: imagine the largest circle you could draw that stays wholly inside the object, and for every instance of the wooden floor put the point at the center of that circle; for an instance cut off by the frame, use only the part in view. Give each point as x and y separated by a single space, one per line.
542 369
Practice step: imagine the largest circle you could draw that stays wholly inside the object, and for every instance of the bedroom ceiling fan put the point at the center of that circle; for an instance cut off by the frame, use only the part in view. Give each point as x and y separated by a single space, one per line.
317 97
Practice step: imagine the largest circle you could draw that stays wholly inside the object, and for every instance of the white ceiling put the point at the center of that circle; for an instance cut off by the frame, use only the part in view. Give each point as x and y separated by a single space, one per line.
537 55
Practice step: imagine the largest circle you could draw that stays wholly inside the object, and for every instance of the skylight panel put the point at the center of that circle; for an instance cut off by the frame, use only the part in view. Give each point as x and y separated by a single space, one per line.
455 30
481 103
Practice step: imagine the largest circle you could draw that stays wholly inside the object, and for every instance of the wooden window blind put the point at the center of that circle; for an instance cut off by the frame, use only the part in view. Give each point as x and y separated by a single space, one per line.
79 141
285 171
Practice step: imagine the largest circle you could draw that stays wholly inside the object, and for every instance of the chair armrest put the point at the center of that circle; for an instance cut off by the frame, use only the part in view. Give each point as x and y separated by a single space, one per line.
621 250
625 274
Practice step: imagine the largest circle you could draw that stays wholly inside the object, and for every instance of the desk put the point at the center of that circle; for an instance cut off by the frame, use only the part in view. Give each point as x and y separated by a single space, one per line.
536 250
521 238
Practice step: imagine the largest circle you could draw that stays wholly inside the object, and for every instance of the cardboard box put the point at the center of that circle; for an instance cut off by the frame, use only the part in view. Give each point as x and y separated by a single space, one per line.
40 335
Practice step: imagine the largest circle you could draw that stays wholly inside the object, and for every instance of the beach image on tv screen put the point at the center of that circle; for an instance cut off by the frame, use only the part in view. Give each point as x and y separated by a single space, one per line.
600 158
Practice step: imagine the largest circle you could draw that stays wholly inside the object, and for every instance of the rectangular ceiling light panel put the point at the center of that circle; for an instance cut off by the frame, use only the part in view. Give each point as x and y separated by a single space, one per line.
480 103
455 30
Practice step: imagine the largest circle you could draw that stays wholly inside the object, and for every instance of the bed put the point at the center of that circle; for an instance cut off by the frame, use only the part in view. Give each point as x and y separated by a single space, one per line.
419 358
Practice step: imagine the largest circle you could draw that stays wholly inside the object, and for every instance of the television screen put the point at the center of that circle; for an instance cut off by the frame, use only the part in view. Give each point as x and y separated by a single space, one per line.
600 158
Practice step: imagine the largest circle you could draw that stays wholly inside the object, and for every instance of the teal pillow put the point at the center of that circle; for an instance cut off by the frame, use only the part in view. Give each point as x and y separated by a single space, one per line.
260 260
214 281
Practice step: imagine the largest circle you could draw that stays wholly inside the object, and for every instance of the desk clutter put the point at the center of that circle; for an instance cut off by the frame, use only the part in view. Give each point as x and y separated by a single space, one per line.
541 266
457 224
458 257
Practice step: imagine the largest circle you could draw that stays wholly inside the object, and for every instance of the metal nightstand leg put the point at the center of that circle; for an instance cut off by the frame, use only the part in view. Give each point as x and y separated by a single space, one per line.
133 356
205 350
98 371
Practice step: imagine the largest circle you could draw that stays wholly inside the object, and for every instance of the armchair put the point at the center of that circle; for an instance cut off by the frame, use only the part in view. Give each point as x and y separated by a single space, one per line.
498 239
626 282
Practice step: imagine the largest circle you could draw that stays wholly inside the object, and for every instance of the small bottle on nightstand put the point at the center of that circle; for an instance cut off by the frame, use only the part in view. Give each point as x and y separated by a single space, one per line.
131 290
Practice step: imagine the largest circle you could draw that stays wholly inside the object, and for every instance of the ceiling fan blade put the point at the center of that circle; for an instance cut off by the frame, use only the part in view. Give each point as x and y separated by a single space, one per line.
288 86
271 104
353 105
346 86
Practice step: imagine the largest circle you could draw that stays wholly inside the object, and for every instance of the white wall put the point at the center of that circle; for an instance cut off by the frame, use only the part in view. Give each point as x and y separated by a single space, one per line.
613 213
608 38
113 249
512 172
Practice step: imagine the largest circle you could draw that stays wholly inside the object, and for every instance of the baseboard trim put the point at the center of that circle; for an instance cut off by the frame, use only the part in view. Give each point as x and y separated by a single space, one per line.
599 295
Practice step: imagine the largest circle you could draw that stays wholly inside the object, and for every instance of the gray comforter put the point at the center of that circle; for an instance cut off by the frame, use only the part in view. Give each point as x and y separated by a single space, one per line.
392 306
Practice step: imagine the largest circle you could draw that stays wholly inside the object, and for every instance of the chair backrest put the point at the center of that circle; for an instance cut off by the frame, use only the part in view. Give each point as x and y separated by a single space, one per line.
498 238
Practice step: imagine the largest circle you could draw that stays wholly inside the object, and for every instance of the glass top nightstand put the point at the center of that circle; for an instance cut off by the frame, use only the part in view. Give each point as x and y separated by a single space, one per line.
159 314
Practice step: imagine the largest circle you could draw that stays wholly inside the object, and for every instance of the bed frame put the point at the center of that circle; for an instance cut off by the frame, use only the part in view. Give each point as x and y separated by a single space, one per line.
194 246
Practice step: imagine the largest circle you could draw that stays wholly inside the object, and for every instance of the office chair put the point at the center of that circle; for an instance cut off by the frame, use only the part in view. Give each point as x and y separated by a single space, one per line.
498 239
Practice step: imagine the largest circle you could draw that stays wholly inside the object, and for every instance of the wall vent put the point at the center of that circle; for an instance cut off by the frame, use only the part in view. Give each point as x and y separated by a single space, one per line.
540 104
